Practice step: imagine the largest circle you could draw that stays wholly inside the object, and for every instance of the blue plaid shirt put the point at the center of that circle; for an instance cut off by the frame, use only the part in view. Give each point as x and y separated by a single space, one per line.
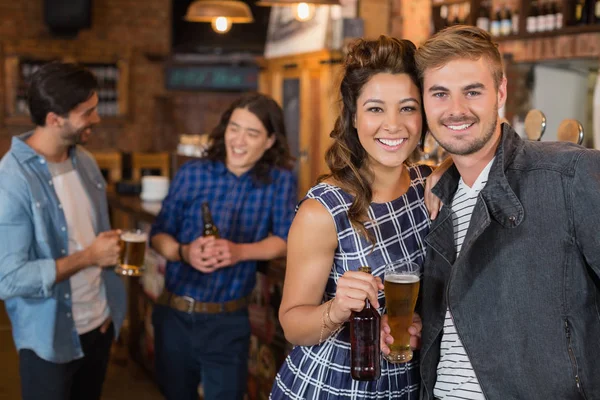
244 210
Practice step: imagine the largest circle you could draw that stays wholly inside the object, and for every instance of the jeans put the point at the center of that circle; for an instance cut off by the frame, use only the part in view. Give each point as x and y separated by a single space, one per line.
209 347
80 379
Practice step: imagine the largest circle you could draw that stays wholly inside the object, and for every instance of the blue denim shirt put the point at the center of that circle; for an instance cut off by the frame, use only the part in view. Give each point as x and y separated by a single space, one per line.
32 237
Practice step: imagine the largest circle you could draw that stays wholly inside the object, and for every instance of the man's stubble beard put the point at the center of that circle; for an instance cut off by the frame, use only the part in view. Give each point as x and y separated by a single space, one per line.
474 146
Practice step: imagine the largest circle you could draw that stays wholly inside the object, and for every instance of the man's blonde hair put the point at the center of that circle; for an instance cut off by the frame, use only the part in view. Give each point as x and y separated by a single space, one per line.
456 42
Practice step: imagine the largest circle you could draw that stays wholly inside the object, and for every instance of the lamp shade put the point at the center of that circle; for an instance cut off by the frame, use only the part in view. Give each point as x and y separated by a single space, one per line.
237 12
272 3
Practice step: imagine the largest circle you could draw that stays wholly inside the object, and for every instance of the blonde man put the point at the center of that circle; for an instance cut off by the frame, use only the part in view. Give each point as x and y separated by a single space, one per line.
510 293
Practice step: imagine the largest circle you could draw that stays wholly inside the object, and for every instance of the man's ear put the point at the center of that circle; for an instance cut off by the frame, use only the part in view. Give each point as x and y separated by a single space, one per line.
271 140
502 93
54 120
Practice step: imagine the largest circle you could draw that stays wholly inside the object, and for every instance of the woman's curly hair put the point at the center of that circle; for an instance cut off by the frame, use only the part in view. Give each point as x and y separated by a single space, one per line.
346 157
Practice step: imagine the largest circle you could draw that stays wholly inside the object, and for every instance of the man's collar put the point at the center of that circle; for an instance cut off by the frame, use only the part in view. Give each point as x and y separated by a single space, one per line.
24 152
505 207
21 150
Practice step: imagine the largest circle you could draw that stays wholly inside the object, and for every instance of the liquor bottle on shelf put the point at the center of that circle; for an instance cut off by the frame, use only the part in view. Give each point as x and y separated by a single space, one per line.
596 12
580 12
532 17
551 16
444 17
515 22
558 15
541 18
364 341
505 21
464 13
483 20
495 26
453 18
460 15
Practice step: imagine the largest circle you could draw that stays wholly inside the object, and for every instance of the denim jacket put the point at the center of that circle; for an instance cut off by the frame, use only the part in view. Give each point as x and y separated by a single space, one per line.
33 235
525 291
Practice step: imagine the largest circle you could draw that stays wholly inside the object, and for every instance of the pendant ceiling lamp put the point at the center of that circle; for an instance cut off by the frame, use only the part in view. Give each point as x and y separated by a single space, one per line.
303 10
220 13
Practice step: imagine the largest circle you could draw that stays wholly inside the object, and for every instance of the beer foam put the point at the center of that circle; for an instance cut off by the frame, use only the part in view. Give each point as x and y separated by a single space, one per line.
402 278
134 237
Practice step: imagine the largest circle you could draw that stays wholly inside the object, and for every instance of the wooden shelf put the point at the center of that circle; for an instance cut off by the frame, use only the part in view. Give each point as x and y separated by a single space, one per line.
568 30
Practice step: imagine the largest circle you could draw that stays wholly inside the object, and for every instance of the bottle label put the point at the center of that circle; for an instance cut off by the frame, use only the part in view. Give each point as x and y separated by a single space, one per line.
578 11
483 23
495 31
541 23
505 27
597 9
559 21
550 22
515 24
531 25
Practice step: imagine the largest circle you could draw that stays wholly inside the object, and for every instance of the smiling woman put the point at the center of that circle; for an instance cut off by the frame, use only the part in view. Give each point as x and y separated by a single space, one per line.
368 211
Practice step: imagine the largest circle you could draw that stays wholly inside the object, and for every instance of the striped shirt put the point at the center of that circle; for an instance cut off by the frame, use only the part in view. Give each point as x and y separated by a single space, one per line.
455 376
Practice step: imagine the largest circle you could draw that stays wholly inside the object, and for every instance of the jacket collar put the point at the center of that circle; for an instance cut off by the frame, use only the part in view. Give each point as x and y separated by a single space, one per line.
501 201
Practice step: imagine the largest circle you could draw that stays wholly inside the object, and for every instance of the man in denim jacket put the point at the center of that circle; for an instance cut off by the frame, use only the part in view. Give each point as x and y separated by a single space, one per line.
55 242
510 293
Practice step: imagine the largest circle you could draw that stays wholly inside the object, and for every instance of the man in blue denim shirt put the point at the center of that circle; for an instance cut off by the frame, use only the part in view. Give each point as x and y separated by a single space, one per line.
65 307
511 281
201 325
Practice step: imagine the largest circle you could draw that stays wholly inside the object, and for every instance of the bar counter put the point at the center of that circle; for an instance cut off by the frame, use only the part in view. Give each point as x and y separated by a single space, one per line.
268 347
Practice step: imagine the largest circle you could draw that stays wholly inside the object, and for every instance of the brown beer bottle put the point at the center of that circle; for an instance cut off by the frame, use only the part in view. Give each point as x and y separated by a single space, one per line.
210 229
364 341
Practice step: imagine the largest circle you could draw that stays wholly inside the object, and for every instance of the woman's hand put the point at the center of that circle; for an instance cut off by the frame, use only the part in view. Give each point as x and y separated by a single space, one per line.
353 288
432 202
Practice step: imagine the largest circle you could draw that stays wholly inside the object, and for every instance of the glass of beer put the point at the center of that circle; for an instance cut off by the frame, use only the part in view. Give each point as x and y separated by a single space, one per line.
401 287
133 250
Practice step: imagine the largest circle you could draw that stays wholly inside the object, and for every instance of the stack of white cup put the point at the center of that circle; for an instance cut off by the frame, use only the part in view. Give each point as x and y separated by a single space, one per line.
154 188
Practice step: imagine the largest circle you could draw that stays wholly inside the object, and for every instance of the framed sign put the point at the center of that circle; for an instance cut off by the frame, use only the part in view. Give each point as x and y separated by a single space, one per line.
212 77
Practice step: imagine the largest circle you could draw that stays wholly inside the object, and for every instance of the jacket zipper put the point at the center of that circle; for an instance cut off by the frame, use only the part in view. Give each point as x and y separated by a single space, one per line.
573 361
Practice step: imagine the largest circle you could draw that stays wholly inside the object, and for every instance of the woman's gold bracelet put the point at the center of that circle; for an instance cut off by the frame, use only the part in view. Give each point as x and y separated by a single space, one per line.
327 323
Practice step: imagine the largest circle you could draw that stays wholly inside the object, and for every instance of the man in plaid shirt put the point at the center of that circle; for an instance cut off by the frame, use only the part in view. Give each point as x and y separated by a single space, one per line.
202 330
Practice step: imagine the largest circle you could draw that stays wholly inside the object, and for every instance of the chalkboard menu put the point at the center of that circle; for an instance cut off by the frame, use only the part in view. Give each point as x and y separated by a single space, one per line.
212 77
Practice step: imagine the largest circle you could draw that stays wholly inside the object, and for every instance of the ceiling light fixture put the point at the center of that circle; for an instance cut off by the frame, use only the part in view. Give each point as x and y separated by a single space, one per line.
303 11
220 13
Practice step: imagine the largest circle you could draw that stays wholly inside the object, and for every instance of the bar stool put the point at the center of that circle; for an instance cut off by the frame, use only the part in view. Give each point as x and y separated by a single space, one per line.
535 124
153 161
570 130
111 164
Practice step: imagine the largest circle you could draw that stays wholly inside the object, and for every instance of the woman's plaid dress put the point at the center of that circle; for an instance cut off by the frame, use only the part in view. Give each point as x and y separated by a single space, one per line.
322 372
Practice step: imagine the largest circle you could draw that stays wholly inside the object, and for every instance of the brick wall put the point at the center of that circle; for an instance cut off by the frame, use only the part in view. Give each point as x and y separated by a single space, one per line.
139 28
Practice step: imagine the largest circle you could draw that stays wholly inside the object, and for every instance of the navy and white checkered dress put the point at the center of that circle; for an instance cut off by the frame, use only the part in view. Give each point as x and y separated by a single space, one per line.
322 372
